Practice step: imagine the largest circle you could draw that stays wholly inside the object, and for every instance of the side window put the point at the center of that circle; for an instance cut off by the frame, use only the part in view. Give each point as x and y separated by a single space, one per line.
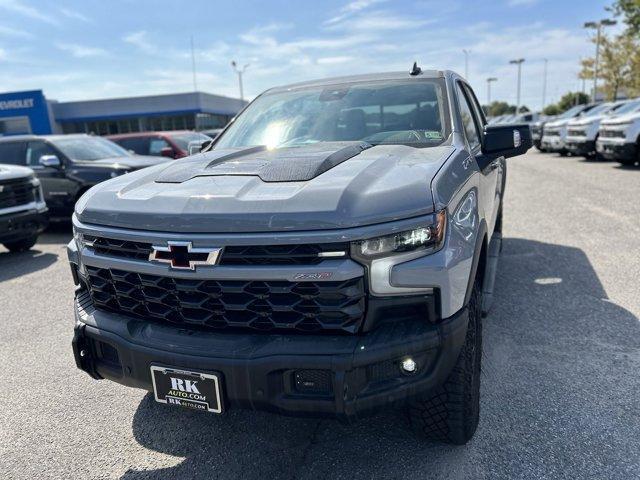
12 153
35 150
137 145
479 114
156 145
469 123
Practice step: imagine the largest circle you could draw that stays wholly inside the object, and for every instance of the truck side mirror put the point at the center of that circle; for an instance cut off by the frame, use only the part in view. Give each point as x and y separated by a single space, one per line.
506 140
50 161
196 146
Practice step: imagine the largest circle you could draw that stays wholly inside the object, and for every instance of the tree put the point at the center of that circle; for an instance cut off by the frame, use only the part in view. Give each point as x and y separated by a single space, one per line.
571 99
567 101
630 11
551 110
615 67
502 108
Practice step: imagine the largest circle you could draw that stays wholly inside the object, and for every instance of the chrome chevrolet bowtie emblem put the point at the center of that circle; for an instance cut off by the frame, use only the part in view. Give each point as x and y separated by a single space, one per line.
182 255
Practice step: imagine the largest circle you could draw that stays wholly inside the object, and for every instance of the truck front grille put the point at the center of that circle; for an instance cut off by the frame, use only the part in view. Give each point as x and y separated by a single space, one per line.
303 254
300 254
612 133
119 248
577 133
14 193
227 304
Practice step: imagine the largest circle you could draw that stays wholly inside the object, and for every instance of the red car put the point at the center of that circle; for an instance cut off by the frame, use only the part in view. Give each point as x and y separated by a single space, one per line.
172 144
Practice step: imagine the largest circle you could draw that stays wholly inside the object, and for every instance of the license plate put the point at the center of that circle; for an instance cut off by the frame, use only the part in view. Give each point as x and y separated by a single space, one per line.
194 390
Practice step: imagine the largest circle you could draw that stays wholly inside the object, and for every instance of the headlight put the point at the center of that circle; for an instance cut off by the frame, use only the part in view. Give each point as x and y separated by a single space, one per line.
77 236
81 240
429 238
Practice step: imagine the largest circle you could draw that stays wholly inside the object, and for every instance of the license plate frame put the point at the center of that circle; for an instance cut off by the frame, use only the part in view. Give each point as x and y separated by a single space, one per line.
189 389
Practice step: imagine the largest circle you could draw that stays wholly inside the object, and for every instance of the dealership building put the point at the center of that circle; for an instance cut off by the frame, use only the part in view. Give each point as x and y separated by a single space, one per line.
32 112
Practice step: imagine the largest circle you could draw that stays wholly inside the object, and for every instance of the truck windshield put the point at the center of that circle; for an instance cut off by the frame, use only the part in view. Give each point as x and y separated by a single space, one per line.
628 107
89 148
393 112
599 110
572 112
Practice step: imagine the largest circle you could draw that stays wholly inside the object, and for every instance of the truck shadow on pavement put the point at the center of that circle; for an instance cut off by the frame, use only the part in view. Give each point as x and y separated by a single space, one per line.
559 398
13 265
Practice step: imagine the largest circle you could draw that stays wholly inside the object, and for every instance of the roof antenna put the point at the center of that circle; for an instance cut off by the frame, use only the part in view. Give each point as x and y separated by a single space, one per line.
415 70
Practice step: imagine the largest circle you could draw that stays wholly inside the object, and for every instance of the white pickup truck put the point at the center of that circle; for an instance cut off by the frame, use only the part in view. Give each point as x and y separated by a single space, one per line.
619 137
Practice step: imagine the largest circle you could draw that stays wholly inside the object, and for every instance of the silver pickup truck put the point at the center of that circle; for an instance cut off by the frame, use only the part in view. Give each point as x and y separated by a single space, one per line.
331 253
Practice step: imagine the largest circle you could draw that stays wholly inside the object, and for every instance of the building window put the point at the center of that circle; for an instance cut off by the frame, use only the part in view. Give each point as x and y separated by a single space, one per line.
205 121
189 121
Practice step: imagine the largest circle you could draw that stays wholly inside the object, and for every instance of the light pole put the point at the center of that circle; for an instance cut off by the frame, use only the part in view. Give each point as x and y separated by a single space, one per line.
193 66
518 62
544 84
239 72
489 80
466 63
605 22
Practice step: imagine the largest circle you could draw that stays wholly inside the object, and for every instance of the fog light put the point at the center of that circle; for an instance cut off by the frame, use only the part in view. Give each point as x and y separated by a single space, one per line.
408 365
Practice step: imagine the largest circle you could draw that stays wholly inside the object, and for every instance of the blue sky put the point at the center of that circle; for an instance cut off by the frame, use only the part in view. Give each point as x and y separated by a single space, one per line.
101 49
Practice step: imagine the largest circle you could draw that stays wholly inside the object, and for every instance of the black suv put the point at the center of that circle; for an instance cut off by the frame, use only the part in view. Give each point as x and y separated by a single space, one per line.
68 165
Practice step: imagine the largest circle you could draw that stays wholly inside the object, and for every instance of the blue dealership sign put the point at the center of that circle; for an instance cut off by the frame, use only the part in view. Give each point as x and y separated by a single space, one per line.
29 110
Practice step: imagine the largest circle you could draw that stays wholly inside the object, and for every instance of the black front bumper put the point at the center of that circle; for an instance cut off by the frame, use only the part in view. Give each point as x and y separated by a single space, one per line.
583 148
21 225
355 375
619 151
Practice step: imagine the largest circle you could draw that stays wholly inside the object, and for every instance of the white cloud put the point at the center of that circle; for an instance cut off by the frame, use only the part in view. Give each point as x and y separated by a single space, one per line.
82 51
334 60
13 32
16 6
3 54
378 21
350 9
141 41
74 15
520 3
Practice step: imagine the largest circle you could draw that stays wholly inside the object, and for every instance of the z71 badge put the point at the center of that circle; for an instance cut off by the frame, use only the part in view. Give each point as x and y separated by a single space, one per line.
313 276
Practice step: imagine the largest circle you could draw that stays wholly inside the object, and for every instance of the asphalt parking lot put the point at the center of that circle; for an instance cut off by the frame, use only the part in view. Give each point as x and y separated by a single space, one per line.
560 393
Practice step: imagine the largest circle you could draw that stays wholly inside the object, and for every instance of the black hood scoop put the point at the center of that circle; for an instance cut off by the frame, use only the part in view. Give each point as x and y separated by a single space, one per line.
290 164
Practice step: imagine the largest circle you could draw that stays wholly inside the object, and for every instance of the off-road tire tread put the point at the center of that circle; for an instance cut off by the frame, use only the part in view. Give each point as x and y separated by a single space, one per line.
451 413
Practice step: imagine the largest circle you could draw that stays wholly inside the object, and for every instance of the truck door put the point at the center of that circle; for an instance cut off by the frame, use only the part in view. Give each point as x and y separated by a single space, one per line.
59 191
491 180
498 168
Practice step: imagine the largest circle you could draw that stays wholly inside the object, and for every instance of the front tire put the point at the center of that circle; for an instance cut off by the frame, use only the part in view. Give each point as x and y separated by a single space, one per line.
630 162
451 413
21 245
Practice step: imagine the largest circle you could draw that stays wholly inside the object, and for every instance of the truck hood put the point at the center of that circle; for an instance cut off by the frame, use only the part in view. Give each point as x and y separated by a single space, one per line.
559 123
617 120
12 172
581 122
133 162
321 186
